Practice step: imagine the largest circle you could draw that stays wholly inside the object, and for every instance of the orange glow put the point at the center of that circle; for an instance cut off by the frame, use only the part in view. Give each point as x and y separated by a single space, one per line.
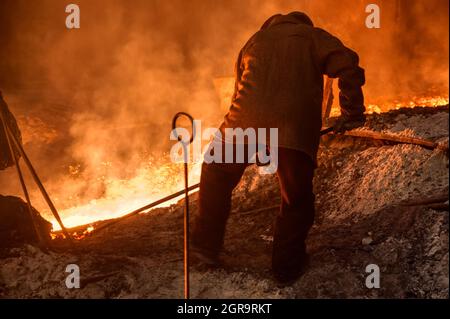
429 101
123 196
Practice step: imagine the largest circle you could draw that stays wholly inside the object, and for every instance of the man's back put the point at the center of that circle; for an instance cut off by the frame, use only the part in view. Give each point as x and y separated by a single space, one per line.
279 81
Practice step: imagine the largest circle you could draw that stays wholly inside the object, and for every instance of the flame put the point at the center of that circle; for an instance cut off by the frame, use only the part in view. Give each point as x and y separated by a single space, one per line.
225 88
75 235
124 196
429 101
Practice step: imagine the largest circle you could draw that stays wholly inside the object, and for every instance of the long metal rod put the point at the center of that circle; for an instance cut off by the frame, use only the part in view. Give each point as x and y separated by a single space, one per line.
186 193
186 232
393 138
40 185
22 183
146 207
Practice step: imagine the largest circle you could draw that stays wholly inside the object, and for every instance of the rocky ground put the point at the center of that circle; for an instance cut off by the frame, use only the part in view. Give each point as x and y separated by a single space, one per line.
368 212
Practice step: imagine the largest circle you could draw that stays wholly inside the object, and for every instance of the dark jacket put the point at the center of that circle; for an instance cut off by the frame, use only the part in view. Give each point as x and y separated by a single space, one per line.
279 82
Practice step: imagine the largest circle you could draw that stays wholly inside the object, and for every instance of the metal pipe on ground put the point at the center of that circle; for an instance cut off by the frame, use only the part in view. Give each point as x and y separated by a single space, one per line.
396 139
146 207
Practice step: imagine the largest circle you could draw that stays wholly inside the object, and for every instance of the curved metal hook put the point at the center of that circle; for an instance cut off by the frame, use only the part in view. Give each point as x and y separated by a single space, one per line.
186 196
174 126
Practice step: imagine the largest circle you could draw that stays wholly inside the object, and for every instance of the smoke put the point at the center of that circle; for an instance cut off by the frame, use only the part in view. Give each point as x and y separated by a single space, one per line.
133 64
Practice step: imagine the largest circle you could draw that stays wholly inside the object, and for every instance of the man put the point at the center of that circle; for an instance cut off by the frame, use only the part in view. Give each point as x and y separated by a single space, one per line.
279 84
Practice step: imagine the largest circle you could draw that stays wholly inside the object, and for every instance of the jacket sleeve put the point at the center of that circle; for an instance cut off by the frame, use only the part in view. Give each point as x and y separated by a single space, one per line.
337 61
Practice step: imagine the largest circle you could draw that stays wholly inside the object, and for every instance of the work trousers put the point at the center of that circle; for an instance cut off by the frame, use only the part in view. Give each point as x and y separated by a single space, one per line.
292 223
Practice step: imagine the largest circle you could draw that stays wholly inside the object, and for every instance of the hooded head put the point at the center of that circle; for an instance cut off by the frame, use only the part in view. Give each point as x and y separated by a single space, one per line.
295 17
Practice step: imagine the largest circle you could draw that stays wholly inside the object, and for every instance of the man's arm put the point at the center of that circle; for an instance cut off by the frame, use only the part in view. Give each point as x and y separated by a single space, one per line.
338 61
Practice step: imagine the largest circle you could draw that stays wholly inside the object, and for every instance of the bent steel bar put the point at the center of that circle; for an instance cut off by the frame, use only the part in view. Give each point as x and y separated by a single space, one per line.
145 208
186 196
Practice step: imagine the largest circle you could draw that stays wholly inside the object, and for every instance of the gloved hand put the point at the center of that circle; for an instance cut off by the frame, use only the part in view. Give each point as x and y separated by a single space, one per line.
344 123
